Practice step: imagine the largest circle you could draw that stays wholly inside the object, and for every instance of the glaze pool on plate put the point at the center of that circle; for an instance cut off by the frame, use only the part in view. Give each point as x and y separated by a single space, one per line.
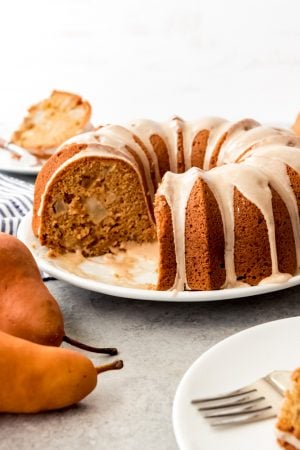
52 267
231 364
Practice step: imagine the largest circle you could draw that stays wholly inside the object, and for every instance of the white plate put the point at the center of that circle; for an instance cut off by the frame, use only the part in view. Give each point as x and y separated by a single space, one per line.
100 275
27 165
231 364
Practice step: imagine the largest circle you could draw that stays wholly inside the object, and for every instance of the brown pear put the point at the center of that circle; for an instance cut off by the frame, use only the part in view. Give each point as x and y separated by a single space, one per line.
27 309
36 378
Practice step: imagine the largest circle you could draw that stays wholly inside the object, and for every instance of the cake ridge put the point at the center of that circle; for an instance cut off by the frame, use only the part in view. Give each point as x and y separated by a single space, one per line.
232 150
273 161
176 189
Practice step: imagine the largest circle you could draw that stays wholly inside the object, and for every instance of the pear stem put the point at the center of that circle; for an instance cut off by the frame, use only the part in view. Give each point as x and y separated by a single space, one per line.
114 365
108 351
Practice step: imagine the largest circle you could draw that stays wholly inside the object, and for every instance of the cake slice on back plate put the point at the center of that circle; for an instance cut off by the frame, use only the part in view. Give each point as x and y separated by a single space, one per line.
50 122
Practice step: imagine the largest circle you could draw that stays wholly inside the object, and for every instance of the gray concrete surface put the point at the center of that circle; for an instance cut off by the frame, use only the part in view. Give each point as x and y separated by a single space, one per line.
131 409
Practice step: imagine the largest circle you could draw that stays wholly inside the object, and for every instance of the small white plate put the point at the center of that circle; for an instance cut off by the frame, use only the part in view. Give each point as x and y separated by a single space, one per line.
231 364
99 274
26 165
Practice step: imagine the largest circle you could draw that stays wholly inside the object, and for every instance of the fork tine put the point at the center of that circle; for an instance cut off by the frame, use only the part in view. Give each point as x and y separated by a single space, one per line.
241 420
238 413
229 395
226 401
259 400
233 404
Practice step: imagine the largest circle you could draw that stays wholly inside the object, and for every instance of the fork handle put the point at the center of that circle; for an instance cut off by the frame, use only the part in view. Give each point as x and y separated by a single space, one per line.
279 380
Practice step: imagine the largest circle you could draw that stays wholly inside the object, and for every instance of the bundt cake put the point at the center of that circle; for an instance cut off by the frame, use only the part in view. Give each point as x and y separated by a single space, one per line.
50 122
221 198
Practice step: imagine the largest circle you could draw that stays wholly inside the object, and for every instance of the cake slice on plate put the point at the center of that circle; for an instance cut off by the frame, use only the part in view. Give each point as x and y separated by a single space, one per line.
50 122
288 424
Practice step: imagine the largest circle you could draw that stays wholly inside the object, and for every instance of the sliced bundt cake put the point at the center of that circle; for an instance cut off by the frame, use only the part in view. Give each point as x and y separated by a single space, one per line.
226 199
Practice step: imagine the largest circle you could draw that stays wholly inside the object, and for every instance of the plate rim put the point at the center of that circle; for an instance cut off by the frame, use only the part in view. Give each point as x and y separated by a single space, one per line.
19 169
144 294
176 399
28 171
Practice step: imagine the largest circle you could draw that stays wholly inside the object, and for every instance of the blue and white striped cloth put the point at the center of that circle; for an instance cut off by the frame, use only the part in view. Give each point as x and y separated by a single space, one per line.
15 201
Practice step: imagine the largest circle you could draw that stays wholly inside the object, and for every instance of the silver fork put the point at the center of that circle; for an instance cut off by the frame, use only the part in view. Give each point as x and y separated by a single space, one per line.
10 147
256 401
18 152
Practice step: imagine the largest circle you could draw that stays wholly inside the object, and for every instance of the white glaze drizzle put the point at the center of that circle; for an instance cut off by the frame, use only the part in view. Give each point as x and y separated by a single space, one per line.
252 183
192 129
273 160
236 132
171 130
176 189
215 136
235 147
288 139
167 131
226 130
140 129
218 181
119 137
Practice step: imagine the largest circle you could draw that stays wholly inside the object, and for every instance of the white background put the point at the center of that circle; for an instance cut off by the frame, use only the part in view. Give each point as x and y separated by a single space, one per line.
153 59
